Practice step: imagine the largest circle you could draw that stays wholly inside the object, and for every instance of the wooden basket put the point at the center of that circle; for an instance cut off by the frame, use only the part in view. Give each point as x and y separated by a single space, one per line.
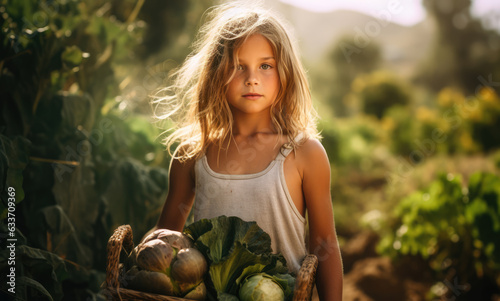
122 239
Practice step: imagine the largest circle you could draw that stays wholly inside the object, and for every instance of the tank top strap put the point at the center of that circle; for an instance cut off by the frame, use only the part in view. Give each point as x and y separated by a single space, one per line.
284 151
286 148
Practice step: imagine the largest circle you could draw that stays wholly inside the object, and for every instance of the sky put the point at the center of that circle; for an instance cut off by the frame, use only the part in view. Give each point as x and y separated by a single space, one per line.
406 12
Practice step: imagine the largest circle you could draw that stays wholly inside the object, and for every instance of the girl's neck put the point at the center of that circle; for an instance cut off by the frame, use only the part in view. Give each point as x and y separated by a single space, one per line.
251 125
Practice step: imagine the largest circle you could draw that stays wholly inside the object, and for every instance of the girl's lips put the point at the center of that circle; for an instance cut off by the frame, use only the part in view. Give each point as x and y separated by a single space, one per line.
252 96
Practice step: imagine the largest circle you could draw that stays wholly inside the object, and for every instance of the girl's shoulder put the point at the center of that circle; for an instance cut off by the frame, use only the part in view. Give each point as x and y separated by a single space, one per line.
182 163
310 152
310 146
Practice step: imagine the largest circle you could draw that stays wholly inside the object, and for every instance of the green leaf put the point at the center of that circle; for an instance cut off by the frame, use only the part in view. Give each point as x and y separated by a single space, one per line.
225 272
248 271
13 160
483 212
28 283
72 56
135 190
287 283
44 267
195 230
63 237
225 232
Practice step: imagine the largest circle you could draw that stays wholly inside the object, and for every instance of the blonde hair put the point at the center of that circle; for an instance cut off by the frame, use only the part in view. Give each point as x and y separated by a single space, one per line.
197 96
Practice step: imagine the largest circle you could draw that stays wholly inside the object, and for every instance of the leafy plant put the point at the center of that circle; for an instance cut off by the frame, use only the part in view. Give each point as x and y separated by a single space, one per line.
80 166
454 227
379 91
235 250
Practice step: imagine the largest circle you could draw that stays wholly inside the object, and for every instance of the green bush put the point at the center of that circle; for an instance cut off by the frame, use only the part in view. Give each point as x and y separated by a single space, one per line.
378 91
454 227
351 141
401 128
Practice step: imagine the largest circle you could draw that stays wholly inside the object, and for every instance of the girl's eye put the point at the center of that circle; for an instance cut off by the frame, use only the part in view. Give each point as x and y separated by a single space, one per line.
239 67
266 66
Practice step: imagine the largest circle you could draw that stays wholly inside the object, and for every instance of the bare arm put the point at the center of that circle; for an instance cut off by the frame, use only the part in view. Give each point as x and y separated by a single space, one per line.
180 196
322 235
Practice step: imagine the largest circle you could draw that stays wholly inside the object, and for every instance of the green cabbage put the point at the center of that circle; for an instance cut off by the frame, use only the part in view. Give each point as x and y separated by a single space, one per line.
235 250
261 287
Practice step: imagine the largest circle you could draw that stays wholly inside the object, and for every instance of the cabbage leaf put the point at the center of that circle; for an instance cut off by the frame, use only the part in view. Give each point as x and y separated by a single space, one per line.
235 250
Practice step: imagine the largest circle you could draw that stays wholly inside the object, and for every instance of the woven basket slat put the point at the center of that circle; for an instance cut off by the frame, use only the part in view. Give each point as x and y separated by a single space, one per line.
128 294
122 237
304 282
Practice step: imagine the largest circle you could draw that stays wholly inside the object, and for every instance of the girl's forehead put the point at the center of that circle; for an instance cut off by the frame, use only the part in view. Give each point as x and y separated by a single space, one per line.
255 45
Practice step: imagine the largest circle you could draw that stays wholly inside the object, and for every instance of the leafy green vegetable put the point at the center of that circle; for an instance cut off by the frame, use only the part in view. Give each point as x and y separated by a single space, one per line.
220 234
261 287
224 274
236 250
287 283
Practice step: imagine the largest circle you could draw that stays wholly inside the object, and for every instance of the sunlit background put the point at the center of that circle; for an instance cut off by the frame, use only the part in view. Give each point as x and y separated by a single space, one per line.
408 98
413 10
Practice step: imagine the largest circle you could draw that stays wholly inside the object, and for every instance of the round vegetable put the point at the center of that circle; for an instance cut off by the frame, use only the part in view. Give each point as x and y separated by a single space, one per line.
198 293
152 282
189 266
166 263
260 287
155 255
175 239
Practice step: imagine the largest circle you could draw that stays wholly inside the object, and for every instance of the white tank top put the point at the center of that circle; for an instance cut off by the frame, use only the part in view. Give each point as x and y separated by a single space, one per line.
262 197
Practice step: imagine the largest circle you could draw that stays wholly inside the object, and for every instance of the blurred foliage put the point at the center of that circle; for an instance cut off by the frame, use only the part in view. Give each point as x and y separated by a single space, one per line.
378 91
351 142
389 138
377 162
400 125
81 160
345 62
485 119
456 124
455 228
463 50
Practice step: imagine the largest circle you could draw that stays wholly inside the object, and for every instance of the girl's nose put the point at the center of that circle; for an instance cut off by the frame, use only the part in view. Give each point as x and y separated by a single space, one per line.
251 79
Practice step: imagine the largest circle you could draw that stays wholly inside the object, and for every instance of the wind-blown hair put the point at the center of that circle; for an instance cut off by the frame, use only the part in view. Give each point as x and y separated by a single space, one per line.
196 100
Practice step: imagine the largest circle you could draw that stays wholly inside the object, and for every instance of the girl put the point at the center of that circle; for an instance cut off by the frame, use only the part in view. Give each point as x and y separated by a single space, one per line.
248 145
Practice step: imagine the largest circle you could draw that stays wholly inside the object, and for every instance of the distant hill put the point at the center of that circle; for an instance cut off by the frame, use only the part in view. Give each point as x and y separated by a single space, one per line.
403 48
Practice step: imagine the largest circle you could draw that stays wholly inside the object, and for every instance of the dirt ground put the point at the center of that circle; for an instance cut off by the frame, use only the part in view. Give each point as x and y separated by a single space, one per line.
370 277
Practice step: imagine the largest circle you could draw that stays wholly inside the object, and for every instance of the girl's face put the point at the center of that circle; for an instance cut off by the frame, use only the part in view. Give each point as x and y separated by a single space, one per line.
255 85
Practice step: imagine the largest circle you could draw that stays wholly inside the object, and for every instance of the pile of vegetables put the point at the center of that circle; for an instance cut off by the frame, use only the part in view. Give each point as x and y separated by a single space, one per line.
167 263
223 258
240 259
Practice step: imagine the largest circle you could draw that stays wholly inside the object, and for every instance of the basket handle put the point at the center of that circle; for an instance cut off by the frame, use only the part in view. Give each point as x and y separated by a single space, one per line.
122 237
304 282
